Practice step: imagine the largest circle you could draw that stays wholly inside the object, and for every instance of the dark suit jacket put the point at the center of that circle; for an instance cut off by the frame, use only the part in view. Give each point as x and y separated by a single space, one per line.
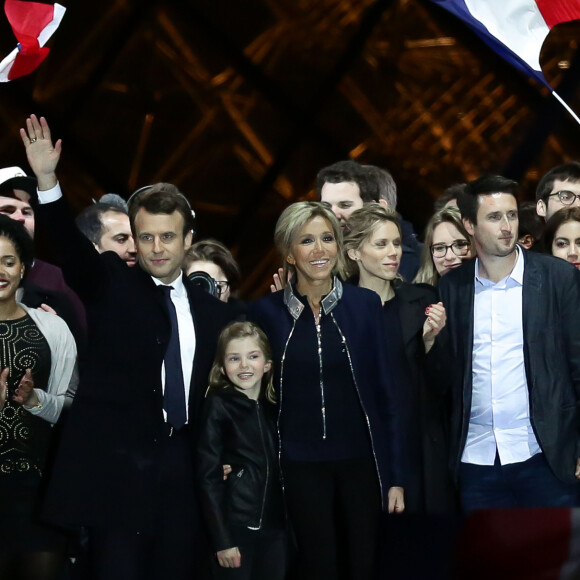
551 326
106 471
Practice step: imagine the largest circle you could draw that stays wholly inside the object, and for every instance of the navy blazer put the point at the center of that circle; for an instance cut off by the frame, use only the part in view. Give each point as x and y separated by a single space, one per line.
551 327
106 470
377 374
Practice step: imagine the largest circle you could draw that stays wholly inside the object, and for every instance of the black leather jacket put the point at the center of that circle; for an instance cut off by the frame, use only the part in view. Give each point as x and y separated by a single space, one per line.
238 431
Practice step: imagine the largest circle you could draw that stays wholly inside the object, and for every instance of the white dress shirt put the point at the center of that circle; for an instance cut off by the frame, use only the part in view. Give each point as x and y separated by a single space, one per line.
180 300
500 408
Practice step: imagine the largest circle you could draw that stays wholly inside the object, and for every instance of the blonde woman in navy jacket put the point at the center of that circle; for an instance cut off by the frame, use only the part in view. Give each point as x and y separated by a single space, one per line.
341 417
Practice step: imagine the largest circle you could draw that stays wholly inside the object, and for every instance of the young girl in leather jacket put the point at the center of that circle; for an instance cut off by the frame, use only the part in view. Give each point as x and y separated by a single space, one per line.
244 512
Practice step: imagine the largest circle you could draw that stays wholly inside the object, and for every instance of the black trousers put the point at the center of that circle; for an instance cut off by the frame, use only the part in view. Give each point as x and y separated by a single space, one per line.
334 508
264 555
170 548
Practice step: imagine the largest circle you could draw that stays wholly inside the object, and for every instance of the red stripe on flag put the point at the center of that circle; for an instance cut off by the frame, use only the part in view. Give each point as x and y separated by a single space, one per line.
556 11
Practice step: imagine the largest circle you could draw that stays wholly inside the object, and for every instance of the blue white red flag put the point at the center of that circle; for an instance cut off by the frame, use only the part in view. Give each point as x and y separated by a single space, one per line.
33 23
515 29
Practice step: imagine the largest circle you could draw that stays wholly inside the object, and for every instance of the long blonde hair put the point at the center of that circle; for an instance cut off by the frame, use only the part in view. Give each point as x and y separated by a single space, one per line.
237 330
427 273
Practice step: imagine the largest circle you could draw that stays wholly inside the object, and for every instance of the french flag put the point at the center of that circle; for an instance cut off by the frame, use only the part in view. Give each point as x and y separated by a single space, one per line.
33 23
516 29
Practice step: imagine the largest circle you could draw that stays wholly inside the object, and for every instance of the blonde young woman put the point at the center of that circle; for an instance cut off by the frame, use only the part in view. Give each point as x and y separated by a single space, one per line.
340 412
412 317
447 246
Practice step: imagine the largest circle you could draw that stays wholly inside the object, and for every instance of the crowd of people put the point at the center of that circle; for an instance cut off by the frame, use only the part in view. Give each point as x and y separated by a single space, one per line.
154 426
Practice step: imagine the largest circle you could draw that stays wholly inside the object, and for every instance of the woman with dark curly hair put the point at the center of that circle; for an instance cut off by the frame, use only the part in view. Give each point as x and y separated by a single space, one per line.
37 358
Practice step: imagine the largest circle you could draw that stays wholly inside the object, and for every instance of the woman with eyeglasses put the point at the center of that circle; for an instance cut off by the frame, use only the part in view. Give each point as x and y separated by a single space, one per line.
413 319
447 245
562 235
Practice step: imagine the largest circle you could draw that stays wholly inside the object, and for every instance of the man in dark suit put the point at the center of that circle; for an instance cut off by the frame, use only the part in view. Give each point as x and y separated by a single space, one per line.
514 330
108 228
347 185
125 465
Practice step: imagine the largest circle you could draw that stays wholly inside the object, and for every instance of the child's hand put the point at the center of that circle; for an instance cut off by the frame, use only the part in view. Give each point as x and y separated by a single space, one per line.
230 558
227 470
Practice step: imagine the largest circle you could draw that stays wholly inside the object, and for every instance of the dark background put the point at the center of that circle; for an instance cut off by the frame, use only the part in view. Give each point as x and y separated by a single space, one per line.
240 102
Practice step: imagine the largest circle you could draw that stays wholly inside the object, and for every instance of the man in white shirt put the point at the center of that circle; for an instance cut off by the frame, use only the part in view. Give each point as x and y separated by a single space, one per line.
514 330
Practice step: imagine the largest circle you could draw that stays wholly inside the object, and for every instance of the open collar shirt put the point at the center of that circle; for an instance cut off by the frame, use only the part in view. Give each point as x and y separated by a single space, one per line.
500 410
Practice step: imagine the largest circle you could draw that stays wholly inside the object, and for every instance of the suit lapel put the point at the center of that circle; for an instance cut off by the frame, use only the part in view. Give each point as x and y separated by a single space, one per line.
531 298
465 299
532 324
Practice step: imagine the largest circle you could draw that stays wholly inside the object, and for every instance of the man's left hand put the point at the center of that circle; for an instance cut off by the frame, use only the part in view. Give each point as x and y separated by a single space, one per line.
577 472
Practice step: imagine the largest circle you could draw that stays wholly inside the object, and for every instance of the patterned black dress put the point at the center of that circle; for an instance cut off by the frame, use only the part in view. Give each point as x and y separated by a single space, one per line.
24 441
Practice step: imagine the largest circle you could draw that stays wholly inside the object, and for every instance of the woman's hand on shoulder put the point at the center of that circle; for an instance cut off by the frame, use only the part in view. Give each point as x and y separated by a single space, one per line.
396 498
436 319
278 281
230 558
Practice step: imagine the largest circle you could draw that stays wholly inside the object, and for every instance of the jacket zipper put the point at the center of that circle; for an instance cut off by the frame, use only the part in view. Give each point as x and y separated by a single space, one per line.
280 406
322 400
267 467
361 404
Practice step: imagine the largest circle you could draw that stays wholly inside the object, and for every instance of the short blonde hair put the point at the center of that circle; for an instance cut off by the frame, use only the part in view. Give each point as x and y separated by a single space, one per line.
360 226
236 330
427 273
291 222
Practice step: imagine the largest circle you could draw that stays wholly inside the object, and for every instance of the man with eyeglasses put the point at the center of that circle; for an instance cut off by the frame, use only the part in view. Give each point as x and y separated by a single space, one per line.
559 188
513 327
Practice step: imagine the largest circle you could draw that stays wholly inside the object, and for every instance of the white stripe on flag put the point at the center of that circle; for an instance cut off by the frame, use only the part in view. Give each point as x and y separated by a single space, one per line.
49 29
518 24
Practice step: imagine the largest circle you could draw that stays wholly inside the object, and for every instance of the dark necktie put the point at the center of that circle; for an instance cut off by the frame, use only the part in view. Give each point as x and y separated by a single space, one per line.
174 396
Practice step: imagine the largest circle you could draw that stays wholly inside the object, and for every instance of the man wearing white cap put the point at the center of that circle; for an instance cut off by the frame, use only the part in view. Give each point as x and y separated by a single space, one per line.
44 283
